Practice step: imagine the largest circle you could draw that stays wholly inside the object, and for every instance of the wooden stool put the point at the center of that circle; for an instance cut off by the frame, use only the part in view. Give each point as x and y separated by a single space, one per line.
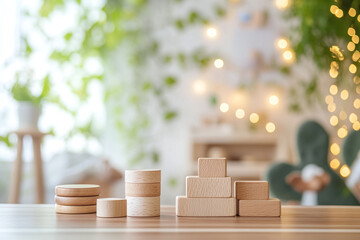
17 169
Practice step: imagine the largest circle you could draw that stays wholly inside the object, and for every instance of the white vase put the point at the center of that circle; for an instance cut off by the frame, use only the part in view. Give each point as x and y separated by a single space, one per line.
28 115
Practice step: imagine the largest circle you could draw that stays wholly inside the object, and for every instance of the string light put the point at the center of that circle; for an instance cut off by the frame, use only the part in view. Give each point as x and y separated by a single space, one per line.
224 107
218 63
288 56
351 31
358 18
345 171
334 120
352 68
352 12
329 99
355 39
335 149
270 127
199 87
358 89
356 55
282 43
332 107
333 89
356 126
240 113
339 13
356 80
344 94
342 132
356 103
211 32
281 4
254 117
335 163
351 46
333 9
333 72
273 100
353 117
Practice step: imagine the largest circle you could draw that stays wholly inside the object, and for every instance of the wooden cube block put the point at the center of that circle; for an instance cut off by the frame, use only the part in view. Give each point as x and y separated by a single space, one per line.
143 176
251 190
143 206
205 207
212 167
111 207
197 187
260 208
142 189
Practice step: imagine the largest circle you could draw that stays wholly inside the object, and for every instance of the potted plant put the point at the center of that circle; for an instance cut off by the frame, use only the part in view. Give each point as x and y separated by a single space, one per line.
29 107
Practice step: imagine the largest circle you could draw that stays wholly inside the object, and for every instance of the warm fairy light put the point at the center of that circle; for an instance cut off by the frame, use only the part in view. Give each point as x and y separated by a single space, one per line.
357 103
352 12
353 117
334 120
337 52
358 89
358 18
339 13
240 113
342 115
356 80
224 107
342 132
352 68
355 39
332 107
345 171
333 72
254 117
333 89
356 126
335 149
211 32
333 9
356 55
273 100
351 46
282 43
218 63
335 163
199 87
351 31
281 4
270 127
344 94
288 56
329 99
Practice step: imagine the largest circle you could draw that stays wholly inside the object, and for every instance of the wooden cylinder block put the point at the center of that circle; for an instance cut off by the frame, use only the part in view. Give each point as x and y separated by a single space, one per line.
75 209
143 176
75 201
143 206
77 190
142 189
111 207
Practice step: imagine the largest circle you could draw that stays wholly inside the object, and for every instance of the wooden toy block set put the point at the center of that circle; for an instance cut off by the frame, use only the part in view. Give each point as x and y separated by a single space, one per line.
208 194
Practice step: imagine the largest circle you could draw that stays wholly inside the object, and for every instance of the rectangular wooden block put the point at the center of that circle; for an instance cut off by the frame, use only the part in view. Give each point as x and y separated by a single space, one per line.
251 190
212 167
260 208
198 187
205 207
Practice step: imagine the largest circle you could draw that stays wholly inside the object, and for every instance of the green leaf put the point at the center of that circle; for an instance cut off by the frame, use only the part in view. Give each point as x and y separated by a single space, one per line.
179 24
48 6
170 115
68 36
213 100
220 11
155 157
193 17
5 139
170 81
173 182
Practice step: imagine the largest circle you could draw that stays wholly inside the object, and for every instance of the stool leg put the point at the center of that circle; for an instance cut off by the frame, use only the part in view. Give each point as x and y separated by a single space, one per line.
38 170
17 172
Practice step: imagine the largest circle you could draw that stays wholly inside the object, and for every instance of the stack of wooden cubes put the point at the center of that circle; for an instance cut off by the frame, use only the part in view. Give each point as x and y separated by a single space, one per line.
209 193
142 191
253 199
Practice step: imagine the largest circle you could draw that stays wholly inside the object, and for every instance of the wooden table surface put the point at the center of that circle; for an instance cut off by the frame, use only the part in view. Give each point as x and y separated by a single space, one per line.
296 222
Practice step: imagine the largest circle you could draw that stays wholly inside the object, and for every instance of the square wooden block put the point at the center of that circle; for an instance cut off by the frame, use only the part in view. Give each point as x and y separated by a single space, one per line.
251 190
198 187
260 208
205 207
212 167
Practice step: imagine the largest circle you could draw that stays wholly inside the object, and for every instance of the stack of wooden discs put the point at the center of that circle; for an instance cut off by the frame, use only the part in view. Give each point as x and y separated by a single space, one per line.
142 191
76 198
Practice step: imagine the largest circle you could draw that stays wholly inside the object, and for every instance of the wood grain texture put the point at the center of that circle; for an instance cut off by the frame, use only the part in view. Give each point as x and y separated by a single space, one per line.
251 190
75 209
15 184
76 201
205 207
143 176
111 207
77 190
143 206
212 167
142 189
198 187
260 208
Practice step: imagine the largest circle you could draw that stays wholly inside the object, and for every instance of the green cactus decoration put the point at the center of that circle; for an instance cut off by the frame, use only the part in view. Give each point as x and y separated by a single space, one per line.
313 145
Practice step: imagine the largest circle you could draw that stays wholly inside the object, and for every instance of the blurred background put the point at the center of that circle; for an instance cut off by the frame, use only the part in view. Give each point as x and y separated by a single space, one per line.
129 84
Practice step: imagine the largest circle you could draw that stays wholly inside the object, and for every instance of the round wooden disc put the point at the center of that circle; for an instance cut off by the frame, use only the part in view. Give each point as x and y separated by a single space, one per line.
77 190
75 209
143 206
143 176
75 201
142 189
111 207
